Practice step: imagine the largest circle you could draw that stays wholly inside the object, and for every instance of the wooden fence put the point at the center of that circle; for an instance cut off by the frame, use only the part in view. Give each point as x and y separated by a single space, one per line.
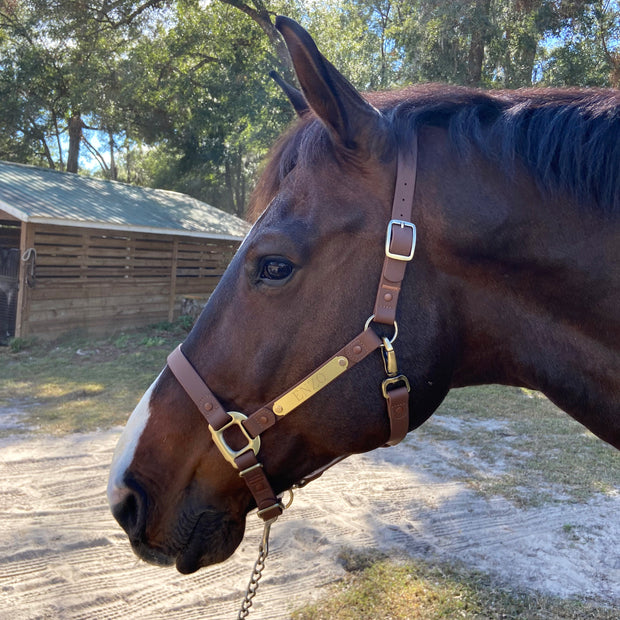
101 281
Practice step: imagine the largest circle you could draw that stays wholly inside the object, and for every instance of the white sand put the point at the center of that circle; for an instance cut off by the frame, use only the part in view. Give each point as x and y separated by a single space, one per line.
63 556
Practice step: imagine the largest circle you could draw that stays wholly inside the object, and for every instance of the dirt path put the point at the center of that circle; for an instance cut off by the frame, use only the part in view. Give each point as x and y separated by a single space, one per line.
63 556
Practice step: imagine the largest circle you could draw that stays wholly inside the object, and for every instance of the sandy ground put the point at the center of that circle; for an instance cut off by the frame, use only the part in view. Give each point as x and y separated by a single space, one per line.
63 556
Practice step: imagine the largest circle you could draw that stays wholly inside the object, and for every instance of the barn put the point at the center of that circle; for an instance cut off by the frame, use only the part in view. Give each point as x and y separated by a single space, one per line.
78 253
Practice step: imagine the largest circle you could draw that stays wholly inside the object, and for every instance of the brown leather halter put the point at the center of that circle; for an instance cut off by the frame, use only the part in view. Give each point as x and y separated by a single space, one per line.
399 248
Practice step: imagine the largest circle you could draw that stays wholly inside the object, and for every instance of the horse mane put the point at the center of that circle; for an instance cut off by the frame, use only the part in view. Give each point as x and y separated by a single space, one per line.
569 139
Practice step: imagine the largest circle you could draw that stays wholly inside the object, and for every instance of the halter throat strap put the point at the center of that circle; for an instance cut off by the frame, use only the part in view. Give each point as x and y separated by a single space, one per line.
399 249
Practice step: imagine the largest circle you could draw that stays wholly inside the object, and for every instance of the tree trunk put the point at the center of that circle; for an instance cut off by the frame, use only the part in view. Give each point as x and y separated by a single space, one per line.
113 169
614 74
475 59
61 162
229 204
479 36
613 58
75 138
47 152
239 184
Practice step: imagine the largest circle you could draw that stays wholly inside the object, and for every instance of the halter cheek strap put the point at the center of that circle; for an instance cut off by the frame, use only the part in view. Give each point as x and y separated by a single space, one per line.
399 248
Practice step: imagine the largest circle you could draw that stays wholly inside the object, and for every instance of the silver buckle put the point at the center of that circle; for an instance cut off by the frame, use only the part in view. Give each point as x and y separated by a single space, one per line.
388 240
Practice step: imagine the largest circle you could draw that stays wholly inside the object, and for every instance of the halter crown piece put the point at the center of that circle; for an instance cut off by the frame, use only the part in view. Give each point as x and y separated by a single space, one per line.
399 248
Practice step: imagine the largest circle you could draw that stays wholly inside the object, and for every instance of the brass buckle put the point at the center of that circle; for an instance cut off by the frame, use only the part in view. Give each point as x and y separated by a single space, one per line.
391 381
278 506
227 452
388 240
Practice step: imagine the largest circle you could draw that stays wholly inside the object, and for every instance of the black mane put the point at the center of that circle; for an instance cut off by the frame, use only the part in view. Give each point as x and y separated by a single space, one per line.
568 138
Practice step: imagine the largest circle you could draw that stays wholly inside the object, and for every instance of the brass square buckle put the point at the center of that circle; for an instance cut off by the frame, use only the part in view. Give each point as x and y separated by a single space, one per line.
390 381
227 452
388 240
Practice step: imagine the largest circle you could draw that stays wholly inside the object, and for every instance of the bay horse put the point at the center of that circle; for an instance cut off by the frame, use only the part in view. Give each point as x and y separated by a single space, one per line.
504 207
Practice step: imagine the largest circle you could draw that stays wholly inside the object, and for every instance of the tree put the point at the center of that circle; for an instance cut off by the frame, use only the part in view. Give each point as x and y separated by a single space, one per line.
198 94
175 93
58 72
585 51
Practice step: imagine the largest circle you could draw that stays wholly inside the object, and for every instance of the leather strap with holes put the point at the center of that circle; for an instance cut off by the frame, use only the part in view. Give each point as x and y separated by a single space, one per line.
400 245
402 239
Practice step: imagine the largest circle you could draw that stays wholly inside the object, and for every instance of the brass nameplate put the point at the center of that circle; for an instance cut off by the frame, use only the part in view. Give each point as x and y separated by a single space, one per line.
310 386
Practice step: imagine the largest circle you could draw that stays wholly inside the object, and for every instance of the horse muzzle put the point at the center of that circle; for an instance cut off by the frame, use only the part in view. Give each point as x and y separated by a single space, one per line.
196 537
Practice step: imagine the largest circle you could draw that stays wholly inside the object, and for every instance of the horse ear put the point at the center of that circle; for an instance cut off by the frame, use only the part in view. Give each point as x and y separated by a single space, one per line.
332 97
296 97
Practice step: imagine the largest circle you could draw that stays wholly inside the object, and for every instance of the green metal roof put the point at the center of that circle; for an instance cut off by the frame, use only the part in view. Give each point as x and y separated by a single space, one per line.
46 196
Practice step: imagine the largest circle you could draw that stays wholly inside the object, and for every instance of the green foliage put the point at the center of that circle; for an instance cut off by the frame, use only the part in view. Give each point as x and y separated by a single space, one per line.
153 341
21 344
206 102
582 53
186 322
175 93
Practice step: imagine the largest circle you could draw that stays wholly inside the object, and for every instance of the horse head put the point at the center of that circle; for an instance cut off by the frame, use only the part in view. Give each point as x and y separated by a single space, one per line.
301 285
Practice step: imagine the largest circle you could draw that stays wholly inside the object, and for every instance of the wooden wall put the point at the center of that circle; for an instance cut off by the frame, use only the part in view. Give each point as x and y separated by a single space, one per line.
103 281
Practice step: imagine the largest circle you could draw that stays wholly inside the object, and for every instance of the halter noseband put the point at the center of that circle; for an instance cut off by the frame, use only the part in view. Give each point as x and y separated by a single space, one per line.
399 248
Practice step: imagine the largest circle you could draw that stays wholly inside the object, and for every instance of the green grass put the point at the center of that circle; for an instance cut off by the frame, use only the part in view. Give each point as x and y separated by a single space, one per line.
78 384
390 590
516 443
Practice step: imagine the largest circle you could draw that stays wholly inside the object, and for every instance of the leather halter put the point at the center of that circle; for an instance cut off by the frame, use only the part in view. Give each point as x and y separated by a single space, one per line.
399 248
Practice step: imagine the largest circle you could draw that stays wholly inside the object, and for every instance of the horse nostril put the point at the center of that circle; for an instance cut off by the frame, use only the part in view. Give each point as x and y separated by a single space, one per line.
130 508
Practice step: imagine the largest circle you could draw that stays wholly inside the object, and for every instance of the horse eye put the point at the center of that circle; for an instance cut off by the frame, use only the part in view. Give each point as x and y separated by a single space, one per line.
275 269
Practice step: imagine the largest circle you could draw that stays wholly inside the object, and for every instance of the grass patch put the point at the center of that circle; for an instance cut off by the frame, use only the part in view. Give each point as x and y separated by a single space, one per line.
77 384
391 590
516 443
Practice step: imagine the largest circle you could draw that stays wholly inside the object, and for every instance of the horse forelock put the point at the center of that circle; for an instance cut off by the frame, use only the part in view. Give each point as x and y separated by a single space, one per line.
567 138
304 142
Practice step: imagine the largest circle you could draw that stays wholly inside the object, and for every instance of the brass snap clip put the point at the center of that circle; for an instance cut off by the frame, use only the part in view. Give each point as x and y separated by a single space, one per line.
389 358
391 368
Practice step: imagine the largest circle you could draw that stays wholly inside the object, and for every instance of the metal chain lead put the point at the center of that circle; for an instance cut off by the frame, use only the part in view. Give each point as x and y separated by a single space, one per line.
263 552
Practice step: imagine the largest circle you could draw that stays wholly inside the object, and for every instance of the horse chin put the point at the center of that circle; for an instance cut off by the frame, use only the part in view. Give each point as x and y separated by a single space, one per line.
208 538
151 555
213 540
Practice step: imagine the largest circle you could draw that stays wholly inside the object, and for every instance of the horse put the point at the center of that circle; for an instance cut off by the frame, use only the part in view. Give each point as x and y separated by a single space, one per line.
404 243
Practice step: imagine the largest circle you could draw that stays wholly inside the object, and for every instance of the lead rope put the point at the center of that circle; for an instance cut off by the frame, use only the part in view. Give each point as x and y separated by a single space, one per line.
259 565
263 552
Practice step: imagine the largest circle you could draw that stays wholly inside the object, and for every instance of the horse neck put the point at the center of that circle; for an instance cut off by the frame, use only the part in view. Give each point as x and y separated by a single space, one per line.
526 284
